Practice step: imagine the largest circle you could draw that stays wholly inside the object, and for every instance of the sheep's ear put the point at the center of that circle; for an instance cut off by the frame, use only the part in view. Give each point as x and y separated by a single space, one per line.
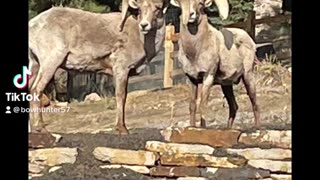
207 3
166 4
175 3
133 4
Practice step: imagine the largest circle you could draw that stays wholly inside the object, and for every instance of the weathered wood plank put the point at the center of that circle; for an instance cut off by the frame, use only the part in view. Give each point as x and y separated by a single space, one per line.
168 60
145 78
274 19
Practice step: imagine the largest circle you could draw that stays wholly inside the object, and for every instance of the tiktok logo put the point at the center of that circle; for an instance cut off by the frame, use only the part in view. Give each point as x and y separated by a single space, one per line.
23 78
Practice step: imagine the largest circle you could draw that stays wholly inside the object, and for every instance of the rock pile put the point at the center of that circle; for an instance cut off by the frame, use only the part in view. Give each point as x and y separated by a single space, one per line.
188 154
194 153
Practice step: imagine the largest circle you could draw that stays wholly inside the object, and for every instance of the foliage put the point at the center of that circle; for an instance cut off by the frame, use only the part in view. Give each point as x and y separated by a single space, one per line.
32 12
270 72
93 7
239 10
99 6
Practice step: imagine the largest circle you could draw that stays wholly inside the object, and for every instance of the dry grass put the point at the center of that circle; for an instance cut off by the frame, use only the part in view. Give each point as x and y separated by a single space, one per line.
271 75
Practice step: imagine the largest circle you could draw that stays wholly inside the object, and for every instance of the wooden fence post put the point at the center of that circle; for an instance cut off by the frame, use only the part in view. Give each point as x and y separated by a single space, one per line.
168 60
250 26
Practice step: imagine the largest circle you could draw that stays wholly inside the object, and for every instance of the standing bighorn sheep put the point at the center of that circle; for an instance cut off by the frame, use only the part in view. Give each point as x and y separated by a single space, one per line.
209 56
112 43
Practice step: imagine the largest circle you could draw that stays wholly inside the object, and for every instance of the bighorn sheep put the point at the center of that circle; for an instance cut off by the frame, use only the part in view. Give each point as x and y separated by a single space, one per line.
112 43
209 56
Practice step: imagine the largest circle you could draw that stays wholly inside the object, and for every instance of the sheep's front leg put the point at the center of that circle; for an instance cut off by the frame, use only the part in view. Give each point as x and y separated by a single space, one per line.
193 101
207 83
120 76
232 103
193 106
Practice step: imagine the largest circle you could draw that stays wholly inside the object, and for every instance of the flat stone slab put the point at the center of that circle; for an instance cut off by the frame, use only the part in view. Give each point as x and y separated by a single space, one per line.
281 176
53 156
234 173
178 171
257 153
41 140
139 169
281 139
211 137
271 165
174 148
192 178
122 156
201 160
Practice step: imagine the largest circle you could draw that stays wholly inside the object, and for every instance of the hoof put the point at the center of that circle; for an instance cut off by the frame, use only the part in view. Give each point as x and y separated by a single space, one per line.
230 123
191 126
203 123
122 130
230 126
257 125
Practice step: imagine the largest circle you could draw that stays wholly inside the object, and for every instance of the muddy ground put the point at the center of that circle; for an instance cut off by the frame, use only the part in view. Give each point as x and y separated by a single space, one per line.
90 124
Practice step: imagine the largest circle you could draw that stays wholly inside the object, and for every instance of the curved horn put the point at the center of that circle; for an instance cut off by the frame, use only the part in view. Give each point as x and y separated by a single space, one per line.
185 11
223 7
174 3
124 10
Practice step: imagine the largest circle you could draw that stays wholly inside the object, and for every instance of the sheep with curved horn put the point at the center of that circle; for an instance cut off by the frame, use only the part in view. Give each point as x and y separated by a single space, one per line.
111 43
209 56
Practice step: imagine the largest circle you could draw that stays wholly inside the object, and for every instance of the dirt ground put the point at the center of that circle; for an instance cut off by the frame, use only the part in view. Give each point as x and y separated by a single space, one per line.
164 108
90 124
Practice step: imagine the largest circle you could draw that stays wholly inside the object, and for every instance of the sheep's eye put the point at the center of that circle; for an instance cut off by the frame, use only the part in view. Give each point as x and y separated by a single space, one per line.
157 8
201 2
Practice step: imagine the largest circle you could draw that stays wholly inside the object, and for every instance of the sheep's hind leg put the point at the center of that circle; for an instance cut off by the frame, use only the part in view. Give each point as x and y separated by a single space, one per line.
232 103
43 77
35 118
33 67
251 91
